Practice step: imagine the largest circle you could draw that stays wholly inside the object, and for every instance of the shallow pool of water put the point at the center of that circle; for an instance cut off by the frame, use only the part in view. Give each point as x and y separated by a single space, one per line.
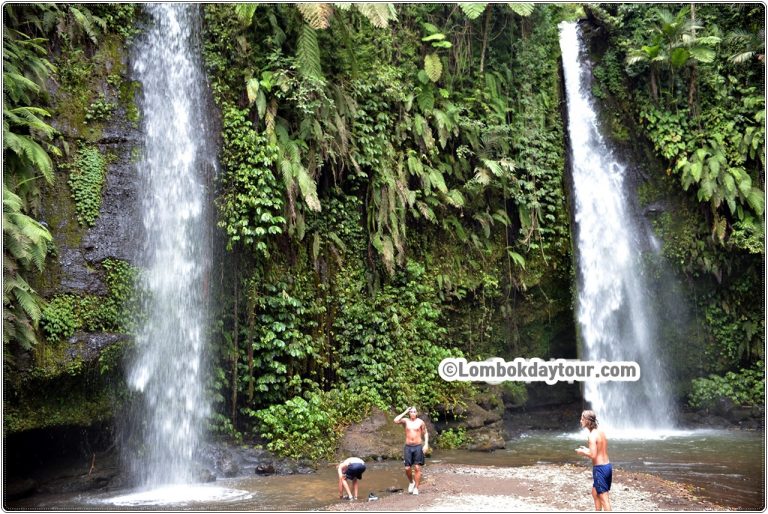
726 467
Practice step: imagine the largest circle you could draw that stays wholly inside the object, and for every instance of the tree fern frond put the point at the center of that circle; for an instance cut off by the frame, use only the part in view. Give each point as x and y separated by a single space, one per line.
741 58
473 10
344 6
244 13
85 21
308 53
317 15
426 211
307 186
433 67
379 14
29 150
28 301
522 8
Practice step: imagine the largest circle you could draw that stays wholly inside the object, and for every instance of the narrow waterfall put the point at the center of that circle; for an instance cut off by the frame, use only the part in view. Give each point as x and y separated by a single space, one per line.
167 370
614 312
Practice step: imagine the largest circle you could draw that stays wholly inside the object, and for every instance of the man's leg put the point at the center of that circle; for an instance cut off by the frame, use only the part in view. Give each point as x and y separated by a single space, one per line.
354 482
417 475
409 474
605 501
596 498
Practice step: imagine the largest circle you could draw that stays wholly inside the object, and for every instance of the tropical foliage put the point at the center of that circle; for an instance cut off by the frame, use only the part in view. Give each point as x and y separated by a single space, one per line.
392 192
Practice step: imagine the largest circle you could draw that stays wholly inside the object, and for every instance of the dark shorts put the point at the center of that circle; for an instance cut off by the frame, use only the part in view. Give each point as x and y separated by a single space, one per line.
602 474
355 471
413 454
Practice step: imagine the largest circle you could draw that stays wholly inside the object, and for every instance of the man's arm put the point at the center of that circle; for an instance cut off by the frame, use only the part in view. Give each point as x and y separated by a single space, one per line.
399 417
590 452
343 483
426 436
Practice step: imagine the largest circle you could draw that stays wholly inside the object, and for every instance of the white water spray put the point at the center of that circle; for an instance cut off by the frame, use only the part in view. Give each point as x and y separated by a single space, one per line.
167 369
613 314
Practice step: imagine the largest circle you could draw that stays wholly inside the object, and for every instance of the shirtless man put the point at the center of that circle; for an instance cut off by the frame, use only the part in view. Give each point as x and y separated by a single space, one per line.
413 452
350 469
602 471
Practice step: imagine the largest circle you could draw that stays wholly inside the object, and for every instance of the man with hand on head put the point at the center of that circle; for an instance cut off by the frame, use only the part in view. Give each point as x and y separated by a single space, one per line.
413 452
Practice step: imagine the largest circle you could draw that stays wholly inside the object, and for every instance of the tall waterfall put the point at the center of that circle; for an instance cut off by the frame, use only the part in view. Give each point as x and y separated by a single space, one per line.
167 370
614 312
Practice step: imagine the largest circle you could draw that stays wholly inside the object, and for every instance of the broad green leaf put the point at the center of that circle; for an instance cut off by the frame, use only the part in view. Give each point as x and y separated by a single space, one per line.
252 89
433 67
679 57
434 37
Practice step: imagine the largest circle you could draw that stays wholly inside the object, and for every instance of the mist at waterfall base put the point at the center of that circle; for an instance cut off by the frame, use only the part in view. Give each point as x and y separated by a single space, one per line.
163 431
617 318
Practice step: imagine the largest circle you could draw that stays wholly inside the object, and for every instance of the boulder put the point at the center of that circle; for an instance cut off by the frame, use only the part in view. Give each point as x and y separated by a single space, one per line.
487 438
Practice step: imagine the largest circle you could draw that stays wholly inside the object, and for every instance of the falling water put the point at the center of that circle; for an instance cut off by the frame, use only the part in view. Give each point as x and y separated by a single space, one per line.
167 369
613 310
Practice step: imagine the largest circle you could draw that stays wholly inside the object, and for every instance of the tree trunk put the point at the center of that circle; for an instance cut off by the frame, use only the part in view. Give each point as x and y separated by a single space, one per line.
486 29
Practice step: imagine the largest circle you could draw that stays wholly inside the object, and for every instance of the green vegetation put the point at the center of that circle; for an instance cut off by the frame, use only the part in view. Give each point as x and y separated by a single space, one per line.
86 179
451 439
117 312
392 193
745 388
374 199
690 78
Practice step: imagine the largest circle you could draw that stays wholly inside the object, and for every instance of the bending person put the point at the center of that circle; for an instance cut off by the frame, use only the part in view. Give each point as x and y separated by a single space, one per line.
350 469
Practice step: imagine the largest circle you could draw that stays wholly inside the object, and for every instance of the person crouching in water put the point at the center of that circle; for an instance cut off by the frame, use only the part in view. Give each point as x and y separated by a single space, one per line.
413 452
602 471
350 469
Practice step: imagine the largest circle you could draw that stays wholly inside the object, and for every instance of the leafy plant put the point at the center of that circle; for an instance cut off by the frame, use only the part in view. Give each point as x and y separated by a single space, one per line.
86 180
746 388
451 439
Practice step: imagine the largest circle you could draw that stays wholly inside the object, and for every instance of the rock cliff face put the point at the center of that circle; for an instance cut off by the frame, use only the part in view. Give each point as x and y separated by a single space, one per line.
117 232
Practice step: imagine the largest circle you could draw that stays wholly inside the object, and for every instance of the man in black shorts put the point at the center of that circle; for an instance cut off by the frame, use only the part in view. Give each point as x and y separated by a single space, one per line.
413 453
350 469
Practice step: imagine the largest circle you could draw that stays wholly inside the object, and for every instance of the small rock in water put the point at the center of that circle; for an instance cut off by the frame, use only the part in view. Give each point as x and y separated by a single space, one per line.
265 469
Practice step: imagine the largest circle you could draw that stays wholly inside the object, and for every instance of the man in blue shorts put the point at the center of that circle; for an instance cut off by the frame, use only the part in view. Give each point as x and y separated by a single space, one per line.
413 452
602 471
350 469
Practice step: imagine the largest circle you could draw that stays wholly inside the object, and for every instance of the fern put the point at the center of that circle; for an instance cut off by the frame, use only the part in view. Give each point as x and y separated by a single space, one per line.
307 187
473 10
318 16
433 67
308 53
522 8
244 13
379 14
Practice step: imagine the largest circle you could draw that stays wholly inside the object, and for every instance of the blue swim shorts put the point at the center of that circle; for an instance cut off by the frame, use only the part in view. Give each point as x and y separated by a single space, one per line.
355 471
602 475
413 454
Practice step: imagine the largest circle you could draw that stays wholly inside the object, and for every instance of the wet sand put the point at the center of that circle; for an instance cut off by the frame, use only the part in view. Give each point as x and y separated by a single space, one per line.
545 487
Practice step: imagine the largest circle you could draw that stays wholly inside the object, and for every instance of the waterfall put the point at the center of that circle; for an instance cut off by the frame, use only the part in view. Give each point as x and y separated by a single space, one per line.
167 369
615 306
